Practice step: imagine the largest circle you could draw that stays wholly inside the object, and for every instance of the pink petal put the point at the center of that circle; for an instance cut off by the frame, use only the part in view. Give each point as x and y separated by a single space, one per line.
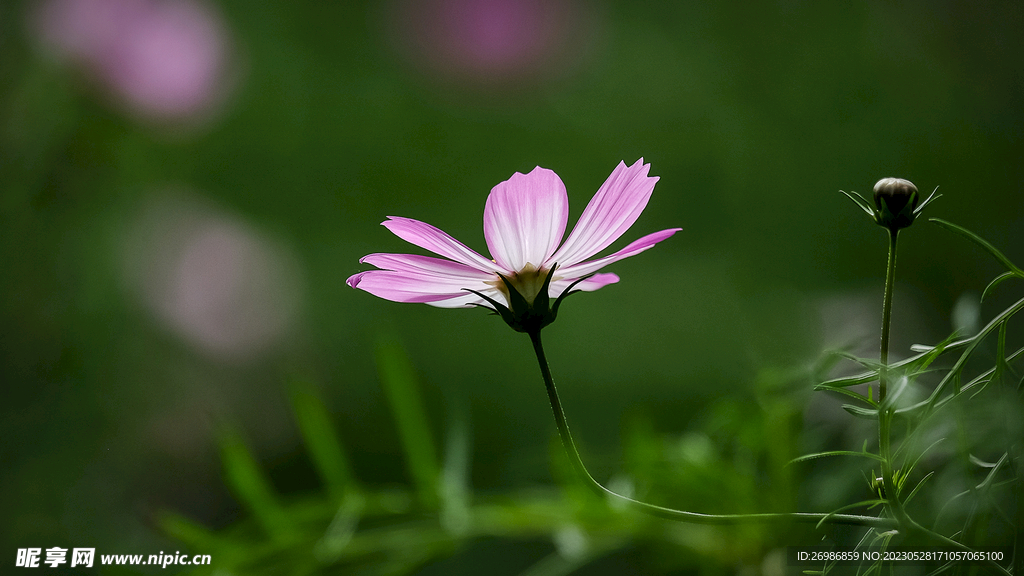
524 218
615 207
437 241
408 286
468 300
426 266
589 285
633 249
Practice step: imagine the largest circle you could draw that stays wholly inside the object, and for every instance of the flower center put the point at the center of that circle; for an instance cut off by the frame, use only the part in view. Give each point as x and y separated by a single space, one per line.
528 282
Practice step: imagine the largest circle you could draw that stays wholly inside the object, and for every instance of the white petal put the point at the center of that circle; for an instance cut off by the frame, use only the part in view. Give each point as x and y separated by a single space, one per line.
525 217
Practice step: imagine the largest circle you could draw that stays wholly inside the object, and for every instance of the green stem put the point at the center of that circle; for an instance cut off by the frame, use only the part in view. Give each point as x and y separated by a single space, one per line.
885 415
669 513
890 278
884 409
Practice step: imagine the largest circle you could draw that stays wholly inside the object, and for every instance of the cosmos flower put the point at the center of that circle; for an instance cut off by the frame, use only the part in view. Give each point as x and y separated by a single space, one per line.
493 43
164 60
524 221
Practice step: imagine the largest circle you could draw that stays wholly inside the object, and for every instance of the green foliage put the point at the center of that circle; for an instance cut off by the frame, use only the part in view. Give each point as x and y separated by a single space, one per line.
736 460
354 529
322 440
399 383
932 419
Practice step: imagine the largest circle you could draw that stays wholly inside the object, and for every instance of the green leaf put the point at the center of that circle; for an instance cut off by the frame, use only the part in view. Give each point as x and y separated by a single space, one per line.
841 509
980 242
995 282
846 392
814 456
399 382
990 477
861 412
455 492
918 487
845 381
247 481
321 439
181 528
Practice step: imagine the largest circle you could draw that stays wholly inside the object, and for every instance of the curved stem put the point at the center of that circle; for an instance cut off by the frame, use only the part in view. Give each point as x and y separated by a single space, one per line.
670 513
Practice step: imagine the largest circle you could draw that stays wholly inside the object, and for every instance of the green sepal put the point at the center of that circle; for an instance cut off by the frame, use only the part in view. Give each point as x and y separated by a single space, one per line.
931 197
894 221
862 202
565 293
523 316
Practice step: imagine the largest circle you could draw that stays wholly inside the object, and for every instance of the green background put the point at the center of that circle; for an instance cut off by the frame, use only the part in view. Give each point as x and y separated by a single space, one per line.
754 115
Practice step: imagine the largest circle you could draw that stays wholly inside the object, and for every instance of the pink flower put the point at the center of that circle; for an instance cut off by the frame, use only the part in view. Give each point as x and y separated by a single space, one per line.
524 221
164 59
493 42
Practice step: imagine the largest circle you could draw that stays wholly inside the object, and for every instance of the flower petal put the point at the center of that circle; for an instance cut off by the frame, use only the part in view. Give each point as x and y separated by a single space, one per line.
525 217
468 300
437 241
406 286
427 266
615 207
589 285
632 249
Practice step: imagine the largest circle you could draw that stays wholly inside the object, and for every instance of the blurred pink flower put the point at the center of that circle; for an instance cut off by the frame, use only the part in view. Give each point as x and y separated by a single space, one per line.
524 221
211 278
164 59
491 40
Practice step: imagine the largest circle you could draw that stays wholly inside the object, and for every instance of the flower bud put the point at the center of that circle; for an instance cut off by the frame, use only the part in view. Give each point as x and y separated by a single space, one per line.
895 199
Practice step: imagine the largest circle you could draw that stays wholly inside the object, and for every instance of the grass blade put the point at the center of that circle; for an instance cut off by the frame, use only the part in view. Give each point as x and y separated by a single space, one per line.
399 382
321 440
251 486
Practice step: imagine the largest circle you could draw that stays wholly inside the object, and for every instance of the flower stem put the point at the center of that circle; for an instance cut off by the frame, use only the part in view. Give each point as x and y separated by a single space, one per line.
890 278
885 412
680 515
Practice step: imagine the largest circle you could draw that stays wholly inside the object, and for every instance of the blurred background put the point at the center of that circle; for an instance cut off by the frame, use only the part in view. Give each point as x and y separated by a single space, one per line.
186 185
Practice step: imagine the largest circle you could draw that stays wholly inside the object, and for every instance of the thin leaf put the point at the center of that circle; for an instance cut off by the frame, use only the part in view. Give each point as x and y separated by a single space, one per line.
181 528
396 375
917 459
342 529
992 473
995 282
321 440
859 412
807 457
840 510
455 511
845 381
846 392
979 462
918 487
980 242
251 486
954 373
871 364
901 386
